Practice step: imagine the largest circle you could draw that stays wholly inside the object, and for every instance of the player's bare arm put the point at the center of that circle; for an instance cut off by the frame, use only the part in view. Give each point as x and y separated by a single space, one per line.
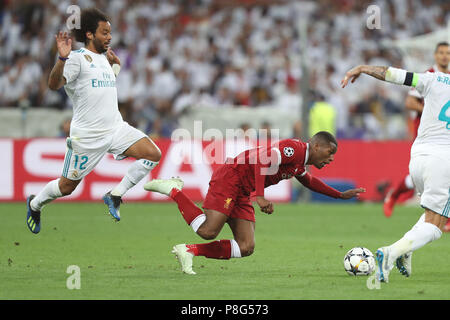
317 185
265 205
414 104
388 74
112 57
64 46
351 193
378 72
113 60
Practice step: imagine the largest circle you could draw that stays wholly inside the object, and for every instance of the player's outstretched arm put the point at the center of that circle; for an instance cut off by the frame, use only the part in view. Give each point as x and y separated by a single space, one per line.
317 185
389 74
351 193
374 71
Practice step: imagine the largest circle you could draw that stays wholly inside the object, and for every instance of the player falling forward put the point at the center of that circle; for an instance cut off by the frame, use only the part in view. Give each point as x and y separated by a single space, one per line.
97 126
228 197
429 165
414 103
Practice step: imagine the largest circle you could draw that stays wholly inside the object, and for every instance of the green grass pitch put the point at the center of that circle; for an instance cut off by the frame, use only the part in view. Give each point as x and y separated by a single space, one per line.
298 255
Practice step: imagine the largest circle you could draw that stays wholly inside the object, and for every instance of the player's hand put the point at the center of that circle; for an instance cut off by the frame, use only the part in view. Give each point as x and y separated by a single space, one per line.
112 58
63 44
265 205
352 193
351 75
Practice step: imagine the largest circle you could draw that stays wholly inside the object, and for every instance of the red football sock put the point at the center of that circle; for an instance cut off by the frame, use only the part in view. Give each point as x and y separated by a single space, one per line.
188 209
401 188
217 249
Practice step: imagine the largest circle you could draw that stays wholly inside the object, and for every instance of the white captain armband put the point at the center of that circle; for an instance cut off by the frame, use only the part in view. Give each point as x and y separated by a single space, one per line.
400 76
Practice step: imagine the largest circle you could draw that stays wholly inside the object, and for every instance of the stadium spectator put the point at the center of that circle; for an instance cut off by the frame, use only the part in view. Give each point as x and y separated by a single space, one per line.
322 117
229 52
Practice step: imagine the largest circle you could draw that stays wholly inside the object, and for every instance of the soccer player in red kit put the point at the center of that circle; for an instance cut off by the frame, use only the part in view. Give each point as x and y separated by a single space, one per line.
228 197
414 102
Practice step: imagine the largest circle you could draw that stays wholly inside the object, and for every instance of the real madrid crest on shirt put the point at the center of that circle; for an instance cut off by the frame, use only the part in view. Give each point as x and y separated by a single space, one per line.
88 58
288 151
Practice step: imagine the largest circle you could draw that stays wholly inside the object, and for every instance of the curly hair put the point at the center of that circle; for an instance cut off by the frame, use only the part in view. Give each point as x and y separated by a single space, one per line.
89 23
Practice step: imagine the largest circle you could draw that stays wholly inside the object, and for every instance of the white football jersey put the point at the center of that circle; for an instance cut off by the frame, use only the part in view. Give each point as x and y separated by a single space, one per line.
91 85
413 92
434 129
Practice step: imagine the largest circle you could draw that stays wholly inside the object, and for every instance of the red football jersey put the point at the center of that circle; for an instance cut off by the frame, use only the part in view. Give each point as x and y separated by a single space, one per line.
265 166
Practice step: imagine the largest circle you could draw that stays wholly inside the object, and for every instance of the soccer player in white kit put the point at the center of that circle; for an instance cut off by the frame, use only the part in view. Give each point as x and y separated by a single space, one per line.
429 165
414 103
89 79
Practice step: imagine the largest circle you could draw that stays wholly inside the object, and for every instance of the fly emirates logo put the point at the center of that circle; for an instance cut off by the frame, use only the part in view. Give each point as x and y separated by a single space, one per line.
106 82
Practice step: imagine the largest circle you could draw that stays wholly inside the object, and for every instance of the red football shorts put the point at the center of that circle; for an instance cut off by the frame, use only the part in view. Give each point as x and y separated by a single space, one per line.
226 195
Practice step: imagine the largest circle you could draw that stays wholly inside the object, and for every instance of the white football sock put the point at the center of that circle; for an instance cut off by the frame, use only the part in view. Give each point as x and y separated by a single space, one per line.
423 234
420 221
419 235
137 171
197 222
235 250
49 193
399 242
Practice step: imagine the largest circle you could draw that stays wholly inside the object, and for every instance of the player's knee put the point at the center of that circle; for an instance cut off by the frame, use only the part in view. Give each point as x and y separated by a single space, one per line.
152 153
148 151
207 234
247 249
155 155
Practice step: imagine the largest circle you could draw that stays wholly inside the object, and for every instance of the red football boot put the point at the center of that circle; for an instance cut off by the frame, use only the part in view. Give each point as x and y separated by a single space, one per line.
389 202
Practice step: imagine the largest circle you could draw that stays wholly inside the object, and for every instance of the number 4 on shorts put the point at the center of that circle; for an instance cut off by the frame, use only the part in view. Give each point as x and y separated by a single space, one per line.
444 115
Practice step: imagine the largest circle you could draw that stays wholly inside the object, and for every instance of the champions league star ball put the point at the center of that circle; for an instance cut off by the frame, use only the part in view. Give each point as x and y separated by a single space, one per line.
359 261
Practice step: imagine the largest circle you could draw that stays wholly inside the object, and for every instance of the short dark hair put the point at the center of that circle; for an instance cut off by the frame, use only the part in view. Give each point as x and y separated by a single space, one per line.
89 20
324 137
441 44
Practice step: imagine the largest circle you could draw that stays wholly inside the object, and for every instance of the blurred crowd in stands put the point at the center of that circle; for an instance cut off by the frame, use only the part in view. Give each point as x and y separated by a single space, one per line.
216 53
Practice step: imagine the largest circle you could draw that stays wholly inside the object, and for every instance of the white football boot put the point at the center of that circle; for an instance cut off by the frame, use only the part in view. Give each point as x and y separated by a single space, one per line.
384 266
404 264
184 258
164 186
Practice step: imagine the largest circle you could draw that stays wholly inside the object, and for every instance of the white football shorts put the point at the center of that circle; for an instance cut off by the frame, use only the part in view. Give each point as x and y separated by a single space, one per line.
83 154
430 172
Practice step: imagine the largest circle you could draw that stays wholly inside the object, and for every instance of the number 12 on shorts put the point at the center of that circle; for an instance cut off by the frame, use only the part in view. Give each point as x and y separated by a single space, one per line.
444 115
82 161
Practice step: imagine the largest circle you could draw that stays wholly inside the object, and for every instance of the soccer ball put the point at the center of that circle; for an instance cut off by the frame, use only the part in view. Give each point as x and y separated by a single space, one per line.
359 261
